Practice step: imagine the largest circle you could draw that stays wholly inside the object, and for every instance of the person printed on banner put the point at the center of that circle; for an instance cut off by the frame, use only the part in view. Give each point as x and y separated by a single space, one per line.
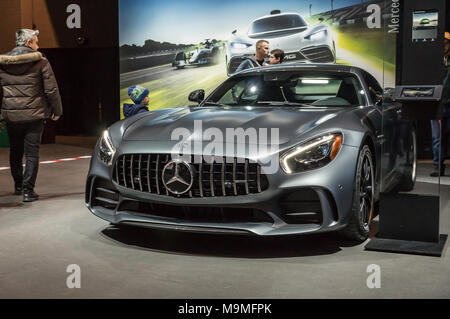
262 51
276 57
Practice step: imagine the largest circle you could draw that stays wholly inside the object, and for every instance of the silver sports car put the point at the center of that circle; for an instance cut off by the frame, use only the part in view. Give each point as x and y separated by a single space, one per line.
288 32
320 169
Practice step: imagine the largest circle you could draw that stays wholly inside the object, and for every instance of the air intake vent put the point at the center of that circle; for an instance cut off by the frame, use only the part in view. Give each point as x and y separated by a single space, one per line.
104 194
320 54
301 207
198 214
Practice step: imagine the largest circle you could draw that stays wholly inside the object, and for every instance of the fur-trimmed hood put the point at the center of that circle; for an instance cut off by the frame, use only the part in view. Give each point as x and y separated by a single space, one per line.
19 60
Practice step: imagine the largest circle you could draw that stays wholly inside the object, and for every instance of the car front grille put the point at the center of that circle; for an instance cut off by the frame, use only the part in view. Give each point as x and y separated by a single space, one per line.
321 54
295 57
228 177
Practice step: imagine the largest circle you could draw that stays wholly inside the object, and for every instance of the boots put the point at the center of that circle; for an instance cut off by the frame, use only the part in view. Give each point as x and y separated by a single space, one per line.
436 172
29 195
17 189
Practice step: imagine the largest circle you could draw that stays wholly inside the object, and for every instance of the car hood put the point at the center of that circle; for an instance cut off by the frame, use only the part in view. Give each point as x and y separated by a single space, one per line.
290 121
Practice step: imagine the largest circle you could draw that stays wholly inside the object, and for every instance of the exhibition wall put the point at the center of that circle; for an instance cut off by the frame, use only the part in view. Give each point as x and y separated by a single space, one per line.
80 39
85 61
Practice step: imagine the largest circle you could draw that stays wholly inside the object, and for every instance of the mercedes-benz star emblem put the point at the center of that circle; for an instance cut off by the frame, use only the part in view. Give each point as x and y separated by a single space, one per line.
178 177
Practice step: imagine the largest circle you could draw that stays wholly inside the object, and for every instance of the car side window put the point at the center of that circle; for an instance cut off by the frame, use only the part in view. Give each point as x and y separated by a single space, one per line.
233 94
242 93
228 98
375 90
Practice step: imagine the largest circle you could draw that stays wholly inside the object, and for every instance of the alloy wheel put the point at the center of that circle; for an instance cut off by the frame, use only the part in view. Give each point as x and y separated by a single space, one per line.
366 188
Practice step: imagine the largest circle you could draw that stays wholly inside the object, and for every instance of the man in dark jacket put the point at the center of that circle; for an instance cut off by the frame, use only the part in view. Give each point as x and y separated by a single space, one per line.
139 95
262 51
29 94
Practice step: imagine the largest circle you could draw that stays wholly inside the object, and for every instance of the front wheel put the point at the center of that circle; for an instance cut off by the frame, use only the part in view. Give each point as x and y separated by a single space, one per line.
363 198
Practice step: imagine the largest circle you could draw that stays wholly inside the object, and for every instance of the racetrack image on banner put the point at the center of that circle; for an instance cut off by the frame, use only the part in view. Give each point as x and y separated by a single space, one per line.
174 47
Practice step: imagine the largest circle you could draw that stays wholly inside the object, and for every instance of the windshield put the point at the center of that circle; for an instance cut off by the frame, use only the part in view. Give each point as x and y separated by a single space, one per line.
283 88
277 23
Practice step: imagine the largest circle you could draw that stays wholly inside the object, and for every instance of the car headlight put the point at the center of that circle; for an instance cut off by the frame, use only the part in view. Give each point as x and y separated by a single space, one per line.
313 154
240 45
317 36
106 149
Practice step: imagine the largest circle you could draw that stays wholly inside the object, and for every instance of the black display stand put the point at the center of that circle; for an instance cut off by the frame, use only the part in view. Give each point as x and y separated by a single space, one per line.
409 224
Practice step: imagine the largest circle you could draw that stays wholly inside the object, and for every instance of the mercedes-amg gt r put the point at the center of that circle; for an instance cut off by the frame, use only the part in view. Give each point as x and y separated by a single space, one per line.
322 168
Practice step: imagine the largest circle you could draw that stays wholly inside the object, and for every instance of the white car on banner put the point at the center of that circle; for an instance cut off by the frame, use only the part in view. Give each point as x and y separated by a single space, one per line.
288 32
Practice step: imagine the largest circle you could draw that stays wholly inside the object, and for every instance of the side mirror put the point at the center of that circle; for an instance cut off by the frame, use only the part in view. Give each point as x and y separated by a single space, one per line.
197 96
234 31
388 95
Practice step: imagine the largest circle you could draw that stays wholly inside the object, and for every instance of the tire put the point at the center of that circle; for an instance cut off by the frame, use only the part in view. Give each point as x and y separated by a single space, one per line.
363 198
408 178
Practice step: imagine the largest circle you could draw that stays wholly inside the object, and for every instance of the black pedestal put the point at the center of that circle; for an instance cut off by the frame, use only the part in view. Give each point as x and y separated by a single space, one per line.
408 246
409 224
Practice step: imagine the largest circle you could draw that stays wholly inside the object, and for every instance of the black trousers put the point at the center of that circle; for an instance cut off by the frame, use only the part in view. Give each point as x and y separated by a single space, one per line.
25 138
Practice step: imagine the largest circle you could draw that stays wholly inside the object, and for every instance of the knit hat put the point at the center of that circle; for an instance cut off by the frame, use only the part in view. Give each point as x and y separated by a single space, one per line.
137 93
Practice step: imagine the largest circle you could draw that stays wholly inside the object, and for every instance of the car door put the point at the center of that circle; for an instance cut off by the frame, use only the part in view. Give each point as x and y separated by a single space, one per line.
394 135
386 131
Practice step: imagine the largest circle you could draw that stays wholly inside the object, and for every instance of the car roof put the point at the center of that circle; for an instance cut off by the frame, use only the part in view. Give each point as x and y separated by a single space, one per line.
292 67
277 15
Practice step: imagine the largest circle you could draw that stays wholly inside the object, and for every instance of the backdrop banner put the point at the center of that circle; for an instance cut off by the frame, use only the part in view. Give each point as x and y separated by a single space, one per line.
174 47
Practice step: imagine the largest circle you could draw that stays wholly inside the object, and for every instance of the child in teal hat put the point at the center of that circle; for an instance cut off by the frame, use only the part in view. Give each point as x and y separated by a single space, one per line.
140 96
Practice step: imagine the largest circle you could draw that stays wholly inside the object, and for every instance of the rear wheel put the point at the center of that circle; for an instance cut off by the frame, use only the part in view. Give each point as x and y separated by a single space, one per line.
363 198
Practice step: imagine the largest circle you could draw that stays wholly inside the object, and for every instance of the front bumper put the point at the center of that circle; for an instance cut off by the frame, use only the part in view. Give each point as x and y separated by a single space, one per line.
309 202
